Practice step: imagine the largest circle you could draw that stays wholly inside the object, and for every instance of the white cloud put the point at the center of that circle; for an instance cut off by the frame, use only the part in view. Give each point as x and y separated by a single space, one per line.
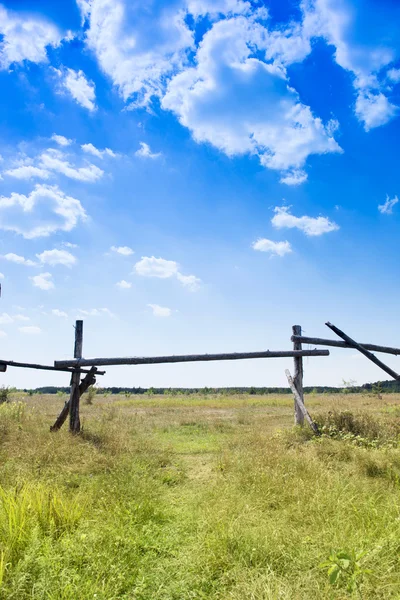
57 257
311 226
5 319
387 207
189 281
160 311
219 101
44 211
20 318
25 37
124 250
20 260
95 312
27 172
156 267
164 269
30 329
145 151
81 89
394 75
43 281
59 313
55 160
90 149
365 51
61 140
2 333
138 44
374 109
274 248
123 285
69 245
295 177
1 276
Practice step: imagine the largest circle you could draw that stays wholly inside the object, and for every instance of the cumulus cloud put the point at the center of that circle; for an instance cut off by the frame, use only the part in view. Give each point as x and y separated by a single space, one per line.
61 140
394 75
59 313
123 285
43 281
295 177
19 260
374 109
57 257
24 37
54 160
274 248
365 51
145 151
28 172
90 149
160 311
137 44
1 276
189 281
150 266
95 312
124 250
81 89
6 319
44 211
30 329
219 101
311 226
387 207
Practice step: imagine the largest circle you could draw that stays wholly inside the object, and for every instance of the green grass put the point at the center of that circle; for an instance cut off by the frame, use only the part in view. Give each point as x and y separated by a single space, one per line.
181 498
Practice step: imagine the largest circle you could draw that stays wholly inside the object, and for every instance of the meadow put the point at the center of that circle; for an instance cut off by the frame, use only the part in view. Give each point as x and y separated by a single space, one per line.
194 497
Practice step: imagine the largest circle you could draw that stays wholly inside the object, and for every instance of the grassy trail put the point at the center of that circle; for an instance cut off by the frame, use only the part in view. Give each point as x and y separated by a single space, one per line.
178 498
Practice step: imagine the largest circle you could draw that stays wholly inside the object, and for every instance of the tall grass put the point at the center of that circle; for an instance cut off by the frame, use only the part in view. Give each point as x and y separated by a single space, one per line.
184 502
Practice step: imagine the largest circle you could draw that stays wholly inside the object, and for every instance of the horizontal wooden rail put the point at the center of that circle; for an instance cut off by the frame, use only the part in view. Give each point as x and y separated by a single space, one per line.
12 363
151 360
338 344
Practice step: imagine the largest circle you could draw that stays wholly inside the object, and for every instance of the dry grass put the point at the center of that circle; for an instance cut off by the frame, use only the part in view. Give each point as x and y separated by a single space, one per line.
173 498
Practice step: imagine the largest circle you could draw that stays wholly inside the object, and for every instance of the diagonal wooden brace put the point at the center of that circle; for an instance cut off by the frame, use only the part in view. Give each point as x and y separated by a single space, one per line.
89 380
363 350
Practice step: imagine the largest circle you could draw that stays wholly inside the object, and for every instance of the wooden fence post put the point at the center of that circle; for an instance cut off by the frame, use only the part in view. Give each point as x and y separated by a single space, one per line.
298 377
74 421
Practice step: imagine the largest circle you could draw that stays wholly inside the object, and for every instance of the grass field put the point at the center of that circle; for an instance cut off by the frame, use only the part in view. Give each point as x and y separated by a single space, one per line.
193 497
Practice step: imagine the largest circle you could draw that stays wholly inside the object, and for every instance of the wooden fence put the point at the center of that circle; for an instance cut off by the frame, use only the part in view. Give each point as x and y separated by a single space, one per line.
79 387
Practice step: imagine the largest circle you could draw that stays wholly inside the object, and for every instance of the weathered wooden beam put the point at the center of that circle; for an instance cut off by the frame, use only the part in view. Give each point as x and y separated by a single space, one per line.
74 420
362 349
337 344
151 360
13 363
298 377
299 401
89 380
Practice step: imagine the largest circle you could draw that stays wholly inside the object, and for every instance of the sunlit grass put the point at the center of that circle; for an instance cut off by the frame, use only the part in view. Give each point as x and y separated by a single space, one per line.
174 498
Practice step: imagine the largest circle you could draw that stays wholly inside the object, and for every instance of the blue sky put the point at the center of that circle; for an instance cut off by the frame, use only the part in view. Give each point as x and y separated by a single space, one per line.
198 176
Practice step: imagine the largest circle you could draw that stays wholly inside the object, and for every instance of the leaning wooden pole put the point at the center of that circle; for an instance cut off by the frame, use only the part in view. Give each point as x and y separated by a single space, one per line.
300 402
74 420
298 377
362 349
89 380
